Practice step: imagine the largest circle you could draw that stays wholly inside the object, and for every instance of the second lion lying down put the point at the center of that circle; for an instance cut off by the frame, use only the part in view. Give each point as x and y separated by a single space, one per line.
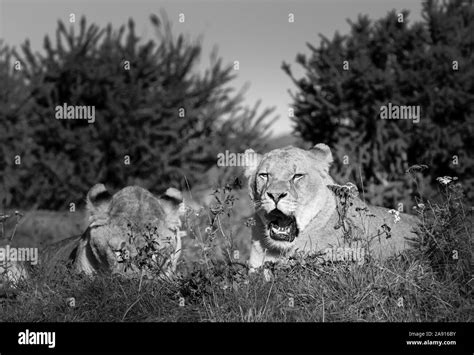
119 226
297 209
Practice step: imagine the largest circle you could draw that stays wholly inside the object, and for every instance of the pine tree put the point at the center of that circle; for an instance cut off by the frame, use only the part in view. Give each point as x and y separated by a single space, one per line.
350 77
153 110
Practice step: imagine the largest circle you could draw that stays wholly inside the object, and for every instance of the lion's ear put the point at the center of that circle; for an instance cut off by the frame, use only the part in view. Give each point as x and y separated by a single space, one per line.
172 201
252 160
323 153
173 194
98 200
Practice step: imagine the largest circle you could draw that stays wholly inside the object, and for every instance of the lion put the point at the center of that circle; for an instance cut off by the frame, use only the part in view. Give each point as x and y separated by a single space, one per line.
297 209
118 227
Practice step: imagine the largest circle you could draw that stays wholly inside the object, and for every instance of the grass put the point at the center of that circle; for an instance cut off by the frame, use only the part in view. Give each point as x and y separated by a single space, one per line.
431 283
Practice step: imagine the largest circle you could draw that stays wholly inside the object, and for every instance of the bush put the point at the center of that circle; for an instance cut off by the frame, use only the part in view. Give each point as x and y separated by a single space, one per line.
390 61
137 113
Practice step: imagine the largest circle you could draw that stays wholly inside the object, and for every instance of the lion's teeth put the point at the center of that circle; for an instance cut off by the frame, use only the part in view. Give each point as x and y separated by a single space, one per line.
278 229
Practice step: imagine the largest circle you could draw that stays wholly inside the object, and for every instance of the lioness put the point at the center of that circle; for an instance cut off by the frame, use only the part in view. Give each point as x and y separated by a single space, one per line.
118 226
296 209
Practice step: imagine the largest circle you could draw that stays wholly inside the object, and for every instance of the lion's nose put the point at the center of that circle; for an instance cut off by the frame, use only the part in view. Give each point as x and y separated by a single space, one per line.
276 196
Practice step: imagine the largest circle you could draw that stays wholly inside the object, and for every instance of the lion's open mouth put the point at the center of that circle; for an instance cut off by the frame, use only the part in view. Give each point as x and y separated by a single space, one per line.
281 226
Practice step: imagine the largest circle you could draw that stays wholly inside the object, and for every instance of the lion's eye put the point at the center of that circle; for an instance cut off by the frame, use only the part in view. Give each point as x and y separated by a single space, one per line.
263 175
297 176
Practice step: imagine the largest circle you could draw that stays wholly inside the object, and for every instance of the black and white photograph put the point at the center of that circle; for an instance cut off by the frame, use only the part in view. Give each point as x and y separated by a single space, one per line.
274 167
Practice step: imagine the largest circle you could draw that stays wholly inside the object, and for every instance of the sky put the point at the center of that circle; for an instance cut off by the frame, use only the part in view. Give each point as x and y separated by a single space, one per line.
256 33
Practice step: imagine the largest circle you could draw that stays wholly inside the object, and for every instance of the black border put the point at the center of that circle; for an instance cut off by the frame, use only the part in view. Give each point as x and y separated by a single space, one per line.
241 337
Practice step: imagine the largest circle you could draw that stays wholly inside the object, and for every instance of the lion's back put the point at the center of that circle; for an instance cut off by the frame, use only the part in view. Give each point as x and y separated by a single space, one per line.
391 229
42 227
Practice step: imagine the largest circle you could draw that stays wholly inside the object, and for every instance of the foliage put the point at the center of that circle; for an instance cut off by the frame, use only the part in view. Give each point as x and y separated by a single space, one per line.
137 114
390 61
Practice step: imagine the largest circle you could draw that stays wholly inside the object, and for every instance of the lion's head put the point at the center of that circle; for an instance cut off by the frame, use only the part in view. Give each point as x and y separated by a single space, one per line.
289 188
119 225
